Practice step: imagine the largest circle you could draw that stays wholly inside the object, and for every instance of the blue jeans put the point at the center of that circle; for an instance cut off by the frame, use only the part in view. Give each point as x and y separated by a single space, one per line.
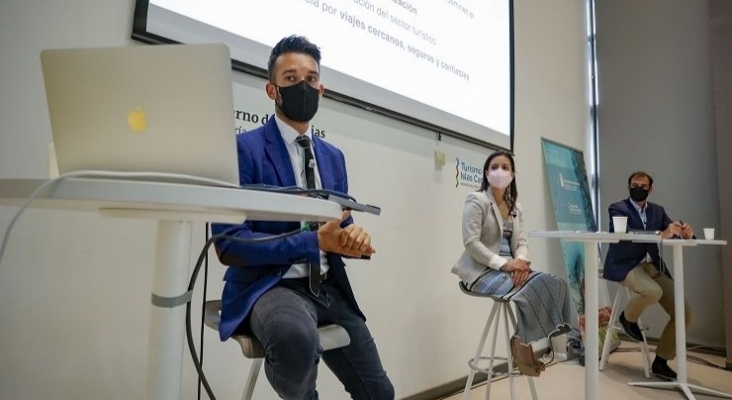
285 320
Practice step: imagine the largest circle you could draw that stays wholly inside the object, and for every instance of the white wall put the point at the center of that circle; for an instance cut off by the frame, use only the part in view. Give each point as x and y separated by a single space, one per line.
74 288
656 115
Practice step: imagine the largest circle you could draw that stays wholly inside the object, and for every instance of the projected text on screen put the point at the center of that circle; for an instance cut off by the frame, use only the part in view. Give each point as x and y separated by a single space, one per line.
448 61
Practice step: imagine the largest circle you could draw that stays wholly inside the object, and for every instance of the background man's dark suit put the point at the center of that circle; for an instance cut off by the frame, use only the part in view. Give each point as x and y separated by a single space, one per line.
624 256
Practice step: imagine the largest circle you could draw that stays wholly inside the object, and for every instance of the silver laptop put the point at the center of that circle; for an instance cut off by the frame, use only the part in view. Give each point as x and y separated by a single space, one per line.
162 108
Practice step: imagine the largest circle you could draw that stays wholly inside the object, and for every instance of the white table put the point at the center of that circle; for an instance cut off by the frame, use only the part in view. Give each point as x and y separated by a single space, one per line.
175 207
591 241
681 381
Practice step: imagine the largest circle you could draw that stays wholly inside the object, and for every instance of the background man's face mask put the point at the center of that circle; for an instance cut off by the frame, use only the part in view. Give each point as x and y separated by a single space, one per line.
638 193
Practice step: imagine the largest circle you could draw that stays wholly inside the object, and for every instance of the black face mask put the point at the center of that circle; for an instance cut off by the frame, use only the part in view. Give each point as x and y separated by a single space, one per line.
638 193
299 101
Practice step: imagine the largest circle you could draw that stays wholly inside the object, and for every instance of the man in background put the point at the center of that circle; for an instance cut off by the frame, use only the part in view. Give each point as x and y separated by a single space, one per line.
639 267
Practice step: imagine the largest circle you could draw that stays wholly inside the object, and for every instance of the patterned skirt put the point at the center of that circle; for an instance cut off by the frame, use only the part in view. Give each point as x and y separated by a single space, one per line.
542 302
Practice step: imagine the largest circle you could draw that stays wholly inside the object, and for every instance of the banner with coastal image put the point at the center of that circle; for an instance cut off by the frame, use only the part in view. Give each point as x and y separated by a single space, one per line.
570 193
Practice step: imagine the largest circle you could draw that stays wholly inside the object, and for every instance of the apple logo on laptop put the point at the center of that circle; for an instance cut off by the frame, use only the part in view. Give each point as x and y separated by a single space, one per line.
136 120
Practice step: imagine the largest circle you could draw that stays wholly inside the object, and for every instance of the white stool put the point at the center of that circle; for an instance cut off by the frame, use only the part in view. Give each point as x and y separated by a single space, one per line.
500 307
331 337
614 325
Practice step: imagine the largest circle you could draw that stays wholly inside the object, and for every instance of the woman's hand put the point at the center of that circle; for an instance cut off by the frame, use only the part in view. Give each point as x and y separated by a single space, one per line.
518 269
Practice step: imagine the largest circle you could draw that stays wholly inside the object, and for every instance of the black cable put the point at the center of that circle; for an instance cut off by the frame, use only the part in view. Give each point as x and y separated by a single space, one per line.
689 357
203 256
203 306
194 275
662 268
320 193
704 362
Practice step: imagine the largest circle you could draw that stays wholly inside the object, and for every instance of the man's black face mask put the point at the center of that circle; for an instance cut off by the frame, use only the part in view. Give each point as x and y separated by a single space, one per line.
638 193
299 102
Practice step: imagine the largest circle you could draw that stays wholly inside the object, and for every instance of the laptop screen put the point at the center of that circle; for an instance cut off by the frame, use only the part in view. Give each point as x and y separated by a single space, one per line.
161 109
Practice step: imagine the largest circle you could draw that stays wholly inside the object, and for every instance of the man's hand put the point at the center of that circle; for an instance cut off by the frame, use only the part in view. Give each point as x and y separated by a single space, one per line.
356 239
686 231
673 229
351 241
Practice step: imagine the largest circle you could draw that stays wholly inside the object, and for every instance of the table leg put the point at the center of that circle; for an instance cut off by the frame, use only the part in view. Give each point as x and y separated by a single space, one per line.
680 311
680 314
592 374
170 283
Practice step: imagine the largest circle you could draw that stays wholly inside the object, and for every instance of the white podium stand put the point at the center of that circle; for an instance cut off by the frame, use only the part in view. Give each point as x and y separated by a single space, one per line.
681 381
591 240
174 206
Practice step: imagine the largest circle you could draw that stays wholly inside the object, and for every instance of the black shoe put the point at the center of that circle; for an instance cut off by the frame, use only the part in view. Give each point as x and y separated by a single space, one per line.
631 328
661 369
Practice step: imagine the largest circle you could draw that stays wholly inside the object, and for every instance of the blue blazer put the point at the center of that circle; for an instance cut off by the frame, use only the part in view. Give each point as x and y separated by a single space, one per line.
255 268
624 256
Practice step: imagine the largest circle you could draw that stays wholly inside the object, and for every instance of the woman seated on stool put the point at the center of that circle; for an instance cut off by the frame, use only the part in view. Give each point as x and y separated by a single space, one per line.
495 262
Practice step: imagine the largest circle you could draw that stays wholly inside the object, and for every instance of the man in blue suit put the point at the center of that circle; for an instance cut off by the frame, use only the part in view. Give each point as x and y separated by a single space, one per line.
269 291
640 268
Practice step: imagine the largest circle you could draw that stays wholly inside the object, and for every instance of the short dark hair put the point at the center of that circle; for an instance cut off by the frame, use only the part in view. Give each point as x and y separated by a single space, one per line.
641 174
292 44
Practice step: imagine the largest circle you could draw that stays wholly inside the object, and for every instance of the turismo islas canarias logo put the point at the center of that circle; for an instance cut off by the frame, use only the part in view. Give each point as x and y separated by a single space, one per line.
467 174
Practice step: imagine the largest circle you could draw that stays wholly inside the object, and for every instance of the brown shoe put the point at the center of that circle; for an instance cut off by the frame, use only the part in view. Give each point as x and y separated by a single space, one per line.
524 357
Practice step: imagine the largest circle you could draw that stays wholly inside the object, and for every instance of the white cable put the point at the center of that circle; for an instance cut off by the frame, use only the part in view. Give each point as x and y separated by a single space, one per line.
103 174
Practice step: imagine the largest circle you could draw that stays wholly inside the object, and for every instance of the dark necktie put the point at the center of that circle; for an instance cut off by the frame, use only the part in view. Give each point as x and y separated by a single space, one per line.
304 142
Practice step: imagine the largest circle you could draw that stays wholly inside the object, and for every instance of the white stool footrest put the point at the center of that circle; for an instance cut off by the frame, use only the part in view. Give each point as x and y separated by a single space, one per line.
333 337
476 367
614 325
500 310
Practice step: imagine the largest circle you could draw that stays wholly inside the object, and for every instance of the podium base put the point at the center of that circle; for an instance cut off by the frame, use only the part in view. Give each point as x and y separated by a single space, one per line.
687 388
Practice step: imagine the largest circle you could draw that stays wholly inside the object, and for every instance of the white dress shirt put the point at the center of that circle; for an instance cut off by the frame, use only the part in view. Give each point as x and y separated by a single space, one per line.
297 157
